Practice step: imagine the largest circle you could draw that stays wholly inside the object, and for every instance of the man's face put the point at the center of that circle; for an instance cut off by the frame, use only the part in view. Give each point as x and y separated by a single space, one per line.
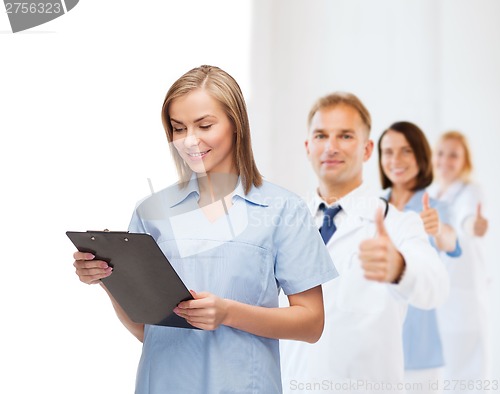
337 145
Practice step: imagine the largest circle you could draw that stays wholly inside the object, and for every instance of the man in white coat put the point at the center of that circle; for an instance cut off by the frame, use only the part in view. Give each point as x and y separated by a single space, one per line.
383 256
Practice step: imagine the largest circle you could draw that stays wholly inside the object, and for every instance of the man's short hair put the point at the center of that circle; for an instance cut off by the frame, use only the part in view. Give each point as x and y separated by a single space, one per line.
341 98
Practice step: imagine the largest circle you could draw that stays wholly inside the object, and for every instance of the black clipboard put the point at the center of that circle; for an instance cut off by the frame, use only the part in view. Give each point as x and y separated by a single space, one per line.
143 282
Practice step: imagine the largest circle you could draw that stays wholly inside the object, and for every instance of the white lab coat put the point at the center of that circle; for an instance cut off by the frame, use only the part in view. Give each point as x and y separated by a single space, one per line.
361 346
464 318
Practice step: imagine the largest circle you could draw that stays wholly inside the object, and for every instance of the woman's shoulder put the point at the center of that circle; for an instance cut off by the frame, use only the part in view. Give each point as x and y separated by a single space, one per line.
434 202
472 187
273 188
274 194
464 193
470 196
166 197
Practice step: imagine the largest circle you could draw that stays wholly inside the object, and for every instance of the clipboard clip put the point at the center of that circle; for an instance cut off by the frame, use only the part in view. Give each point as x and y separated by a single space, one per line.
107 231
92 238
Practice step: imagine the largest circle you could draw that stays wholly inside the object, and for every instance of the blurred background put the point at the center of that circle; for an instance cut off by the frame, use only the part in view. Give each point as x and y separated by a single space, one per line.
80 133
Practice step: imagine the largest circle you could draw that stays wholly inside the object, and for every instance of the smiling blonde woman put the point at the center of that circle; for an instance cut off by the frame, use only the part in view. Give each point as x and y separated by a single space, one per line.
465 319
236 240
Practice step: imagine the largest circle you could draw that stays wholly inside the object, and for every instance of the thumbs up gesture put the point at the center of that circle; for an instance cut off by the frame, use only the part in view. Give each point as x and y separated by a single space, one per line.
480 223
430 217
380 259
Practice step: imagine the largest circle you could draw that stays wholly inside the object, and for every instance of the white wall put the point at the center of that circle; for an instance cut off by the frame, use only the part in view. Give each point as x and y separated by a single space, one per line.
470 97
435 63
385 52
80 133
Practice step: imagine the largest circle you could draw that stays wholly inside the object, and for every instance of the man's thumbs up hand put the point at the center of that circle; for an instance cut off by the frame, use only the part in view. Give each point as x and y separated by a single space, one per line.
379 224
379 258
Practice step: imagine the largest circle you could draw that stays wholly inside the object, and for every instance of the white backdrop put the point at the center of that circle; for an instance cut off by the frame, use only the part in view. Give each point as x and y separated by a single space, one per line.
80 129
80 133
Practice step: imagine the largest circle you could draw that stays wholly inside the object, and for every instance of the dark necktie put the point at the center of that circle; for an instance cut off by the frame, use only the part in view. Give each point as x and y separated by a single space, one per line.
328 227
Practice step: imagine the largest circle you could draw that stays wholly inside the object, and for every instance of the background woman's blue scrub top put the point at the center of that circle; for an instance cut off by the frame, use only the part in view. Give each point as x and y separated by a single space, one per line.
421 340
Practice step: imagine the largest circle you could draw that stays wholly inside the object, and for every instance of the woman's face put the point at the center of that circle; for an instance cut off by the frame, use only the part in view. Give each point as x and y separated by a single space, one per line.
202 133
398 160
449 160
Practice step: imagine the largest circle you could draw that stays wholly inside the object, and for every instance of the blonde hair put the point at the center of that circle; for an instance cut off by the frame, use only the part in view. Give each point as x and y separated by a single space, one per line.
223 88
466 171
341 98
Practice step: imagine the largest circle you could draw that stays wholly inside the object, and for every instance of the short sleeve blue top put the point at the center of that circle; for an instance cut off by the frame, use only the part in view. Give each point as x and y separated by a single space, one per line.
265 242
